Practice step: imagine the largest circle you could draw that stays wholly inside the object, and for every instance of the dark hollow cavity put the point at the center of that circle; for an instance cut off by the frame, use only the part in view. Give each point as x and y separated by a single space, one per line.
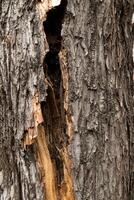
53 108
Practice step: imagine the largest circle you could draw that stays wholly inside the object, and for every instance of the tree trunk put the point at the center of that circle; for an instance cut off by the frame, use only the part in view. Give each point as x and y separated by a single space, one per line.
66 100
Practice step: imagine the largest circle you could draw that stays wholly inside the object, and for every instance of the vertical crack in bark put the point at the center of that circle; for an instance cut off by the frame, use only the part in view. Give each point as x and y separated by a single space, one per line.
52 124
53 136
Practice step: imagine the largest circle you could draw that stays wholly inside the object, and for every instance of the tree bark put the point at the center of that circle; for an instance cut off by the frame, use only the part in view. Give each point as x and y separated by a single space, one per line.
21 52
98 39
66 100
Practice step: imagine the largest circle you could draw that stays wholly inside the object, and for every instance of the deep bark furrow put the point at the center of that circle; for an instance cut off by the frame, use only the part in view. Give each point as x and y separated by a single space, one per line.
53 108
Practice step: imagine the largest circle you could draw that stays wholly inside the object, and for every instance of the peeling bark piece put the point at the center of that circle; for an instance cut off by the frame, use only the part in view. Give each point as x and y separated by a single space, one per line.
32 132
29 138
37 113
43 6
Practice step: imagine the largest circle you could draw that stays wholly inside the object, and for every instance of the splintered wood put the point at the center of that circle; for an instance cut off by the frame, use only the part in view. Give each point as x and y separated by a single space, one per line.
32 132
52 127
46 165
37 135
66 190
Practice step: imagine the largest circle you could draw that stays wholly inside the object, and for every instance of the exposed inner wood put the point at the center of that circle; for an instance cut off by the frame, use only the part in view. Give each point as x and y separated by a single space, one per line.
55 119
52 124
46 165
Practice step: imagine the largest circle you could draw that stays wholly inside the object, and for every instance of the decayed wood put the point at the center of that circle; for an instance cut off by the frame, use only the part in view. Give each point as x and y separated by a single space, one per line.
95 124
48 174
26 163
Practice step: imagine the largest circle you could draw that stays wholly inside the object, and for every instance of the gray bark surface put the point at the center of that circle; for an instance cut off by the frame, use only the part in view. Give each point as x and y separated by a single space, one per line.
96 74
98 39
21 52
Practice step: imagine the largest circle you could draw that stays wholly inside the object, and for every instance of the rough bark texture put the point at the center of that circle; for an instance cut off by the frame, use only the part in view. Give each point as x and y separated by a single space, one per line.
22 49
34 161
74 95
98 39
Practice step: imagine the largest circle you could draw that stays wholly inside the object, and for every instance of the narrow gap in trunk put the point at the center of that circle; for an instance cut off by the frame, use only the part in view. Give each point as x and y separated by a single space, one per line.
53 109
53 122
